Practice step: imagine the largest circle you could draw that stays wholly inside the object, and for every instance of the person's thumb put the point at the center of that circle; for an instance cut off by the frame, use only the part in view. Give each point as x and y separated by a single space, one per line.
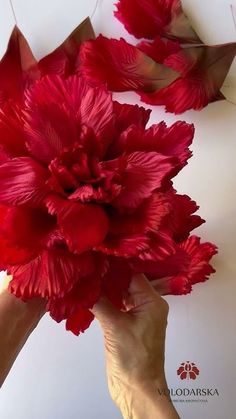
142 296
106 313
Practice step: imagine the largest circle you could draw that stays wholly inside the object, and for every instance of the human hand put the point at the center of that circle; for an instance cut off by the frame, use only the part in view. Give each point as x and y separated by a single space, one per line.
4 282
17 320
135 348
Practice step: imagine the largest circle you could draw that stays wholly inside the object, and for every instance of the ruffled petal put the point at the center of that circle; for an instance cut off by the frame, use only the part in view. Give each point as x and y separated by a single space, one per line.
11 254
147 217
176 97
122 66
182 220
12 137
200 255
178 272
159 49
79 321
15 246
127 115
84 294
22 181
48 129
28 228
203 70
116 281
173 141
169 266
178 285
51 273
84 226
148 19
156 17
143 173
144 246
57 109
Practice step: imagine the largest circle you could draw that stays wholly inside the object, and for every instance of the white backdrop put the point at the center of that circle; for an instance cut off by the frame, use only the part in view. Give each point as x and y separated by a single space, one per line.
59 376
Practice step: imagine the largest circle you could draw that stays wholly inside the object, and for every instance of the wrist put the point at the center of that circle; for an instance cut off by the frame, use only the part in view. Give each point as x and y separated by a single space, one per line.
17 321
20 314
146 400
17 310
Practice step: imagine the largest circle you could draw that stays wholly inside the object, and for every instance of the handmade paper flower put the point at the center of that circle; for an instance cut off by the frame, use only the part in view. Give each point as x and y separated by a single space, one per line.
149 18
86 197
161 72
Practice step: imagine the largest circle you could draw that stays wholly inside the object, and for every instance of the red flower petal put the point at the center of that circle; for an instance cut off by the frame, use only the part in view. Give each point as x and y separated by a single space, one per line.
176 97
144 173
170 266
4 156
48 124
84 294
203 70
159 49
182 221
22 181
56 110
200 254
11 254
144 246
11 130
27 228
51 273
122 66
124 245
155 17
173 141
160 246
17 60
79 321
127 115
116 281
177 285
84 226
15 246
149 17
147 217
188 266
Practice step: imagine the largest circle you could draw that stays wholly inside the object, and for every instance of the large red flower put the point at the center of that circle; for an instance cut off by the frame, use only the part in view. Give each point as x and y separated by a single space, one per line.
149 18
86 198
161 71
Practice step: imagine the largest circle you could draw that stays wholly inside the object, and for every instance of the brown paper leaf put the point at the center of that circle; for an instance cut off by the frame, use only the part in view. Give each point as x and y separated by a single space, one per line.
180 27
82 33
17 60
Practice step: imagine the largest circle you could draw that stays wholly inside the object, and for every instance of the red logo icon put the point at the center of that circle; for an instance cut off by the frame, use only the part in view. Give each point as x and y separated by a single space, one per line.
188 371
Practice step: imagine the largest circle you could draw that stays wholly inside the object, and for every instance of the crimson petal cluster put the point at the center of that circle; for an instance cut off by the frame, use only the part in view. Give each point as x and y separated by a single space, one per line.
86 196
172 67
